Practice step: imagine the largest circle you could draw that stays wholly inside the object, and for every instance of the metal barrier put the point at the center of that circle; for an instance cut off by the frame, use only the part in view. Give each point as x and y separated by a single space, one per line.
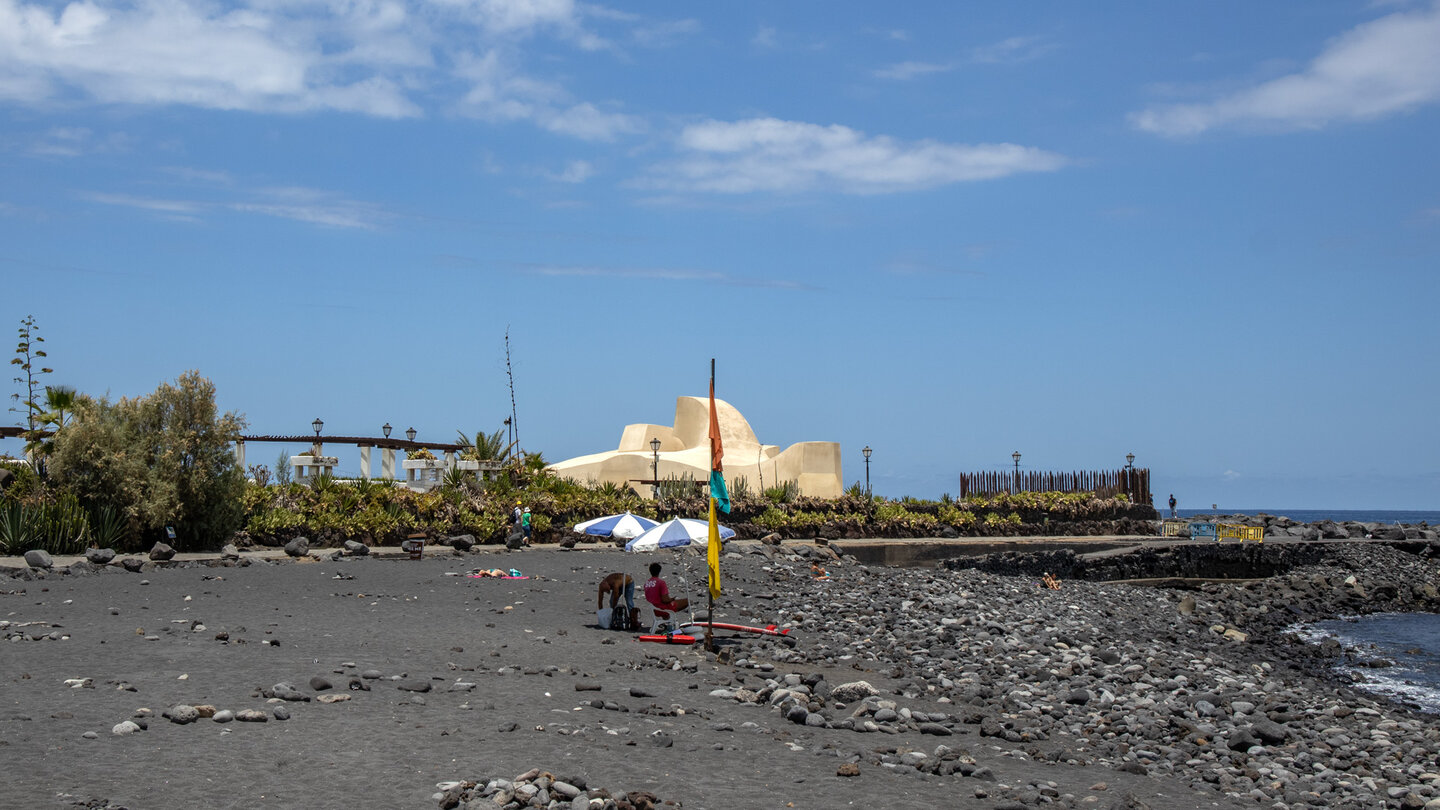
1204 531
1174 528
1235 531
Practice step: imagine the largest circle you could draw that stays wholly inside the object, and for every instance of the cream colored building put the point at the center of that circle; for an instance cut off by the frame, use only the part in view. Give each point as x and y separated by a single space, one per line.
685 448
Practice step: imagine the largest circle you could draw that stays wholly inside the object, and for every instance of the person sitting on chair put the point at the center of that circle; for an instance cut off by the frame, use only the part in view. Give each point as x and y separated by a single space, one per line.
657 593
618 585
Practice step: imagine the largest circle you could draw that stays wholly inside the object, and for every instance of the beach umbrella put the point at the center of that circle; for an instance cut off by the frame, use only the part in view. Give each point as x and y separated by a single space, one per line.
677 533
624 526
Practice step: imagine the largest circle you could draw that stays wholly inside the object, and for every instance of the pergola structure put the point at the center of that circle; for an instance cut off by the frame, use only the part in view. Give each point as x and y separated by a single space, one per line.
317 462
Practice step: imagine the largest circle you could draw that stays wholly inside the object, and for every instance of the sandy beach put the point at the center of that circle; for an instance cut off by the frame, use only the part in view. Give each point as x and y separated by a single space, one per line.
987 691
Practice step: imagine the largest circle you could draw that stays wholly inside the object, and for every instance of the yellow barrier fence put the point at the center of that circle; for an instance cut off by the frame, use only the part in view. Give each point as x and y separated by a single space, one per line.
1175 528
1236 531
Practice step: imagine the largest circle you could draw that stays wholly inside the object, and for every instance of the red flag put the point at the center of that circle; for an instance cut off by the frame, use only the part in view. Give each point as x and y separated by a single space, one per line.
716 451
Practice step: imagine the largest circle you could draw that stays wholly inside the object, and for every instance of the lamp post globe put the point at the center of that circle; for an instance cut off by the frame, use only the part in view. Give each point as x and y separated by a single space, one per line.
385 429
1130 461
317 424
410 434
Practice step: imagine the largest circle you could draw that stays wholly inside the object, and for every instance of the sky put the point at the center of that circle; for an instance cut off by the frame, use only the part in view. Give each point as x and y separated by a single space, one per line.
1206 233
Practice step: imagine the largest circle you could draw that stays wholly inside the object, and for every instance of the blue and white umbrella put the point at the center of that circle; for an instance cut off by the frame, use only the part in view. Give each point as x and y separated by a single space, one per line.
624 526
677 533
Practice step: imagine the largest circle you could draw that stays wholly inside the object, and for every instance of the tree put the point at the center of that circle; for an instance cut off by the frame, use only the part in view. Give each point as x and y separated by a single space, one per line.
27 356
162 460
485 447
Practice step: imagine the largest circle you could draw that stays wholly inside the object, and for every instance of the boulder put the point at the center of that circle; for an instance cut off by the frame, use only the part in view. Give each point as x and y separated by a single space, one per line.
853 691
298 547
100 556
356 548
133 564
38 558
462 542
230 552
161 552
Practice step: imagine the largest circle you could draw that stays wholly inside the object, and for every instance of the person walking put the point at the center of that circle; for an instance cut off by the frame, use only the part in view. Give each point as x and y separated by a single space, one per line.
525 524
1172 505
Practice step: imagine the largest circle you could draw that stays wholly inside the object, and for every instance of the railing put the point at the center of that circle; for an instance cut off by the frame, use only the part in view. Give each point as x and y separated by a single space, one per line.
1132 482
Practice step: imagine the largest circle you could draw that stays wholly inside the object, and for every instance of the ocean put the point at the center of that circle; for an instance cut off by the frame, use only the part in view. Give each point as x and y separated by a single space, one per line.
1316 515
1411 640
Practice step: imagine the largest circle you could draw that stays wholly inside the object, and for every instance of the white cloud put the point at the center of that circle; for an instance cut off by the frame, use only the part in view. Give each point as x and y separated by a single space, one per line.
1012 50
498 92
905 71
766 37
299 204
1230 475
770 155
661 274
1383 67
577 171
370 57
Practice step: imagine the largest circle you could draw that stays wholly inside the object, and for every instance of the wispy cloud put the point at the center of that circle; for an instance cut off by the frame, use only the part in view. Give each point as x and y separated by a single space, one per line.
679 274
375 58
771 155
1383 67
904 71
1230 475
310 206
1012 51
766 37
577 171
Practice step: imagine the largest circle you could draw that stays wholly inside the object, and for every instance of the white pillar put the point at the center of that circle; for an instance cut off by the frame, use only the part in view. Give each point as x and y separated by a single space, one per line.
240 454
449 460
365 461
387 463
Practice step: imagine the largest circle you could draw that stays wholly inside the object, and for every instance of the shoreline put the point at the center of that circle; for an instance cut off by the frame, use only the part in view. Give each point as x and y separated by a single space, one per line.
989 692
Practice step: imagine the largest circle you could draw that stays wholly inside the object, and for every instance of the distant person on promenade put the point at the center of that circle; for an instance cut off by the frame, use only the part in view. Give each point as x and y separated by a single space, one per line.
1172 505
515 515
657 593
525 524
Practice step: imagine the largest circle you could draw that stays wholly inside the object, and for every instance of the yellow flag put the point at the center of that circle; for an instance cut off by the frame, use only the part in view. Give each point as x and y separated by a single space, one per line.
712 553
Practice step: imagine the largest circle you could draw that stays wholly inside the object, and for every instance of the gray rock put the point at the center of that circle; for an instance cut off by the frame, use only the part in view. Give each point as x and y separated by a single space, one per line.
320 683
100 556
413 685
223 716
298 547
39 558
182 714
1269 732
853 691
125 727
356 548
251 716
287 691
462 542
161 552
230 552
935 729
281 712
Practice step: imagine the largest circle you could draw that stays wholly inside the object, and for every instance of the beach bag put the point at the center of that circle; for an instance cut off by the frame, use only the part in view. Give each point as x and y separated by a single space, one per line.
602 617
622 619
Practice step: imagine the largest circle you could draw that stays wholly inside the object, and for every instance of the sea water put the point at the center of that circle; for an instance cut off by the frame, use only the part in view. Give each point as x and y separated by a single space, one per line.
1411 640
1408 516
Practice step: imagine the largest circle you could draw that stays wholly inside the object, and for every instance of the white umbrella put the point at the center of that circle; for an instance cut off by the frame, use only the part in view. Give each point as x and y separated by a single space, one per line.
624 526
677 533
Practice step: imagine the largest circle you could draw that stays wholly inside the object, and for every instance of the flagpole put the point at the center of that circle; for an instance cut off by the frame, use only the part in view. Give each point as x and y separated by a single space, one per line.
710 592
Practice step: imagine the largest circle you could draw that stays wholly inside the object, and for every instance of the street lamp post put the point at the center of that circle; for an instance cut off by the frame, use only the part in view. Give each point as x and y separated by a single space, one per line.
385 429
1129 461
655 471
866 452
410 434
1016 455
318 424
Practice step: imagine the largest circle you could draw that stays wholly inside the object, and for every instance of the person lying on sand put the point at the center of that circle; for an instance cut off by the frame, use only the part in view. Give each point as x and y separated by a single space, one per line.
657 593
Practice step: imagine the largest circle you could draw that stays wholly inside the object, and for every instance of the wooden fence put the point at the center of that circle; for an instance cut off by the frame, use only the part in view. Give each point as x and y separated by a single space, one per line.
1134 483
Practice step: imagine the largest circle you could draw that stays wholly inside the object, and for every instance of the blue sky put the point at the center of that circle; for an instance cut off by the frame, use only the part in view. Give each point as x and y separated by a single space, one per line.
1204 233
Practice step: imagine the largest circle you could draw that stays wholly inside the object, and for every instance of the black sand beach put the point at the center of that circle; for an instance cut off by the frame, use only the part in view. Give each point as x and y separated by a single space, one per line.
989 692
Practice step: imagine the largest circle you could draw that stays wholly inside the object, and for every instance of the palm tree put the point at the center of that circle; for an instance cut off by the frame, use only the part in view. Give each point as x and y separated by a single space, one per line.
58 399
485 446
